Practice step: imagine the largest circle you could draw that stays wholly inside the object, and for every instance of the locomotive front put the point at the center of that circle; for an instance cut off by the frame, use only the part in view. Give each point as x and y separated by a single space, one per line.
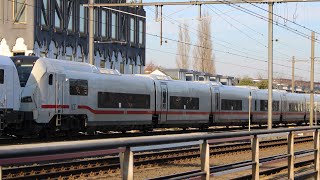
9 91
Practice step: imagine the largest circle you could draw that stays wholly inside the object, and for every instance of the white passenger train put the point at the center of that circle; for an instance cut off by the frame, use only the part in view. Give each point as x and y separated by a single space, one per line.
9 90
43 96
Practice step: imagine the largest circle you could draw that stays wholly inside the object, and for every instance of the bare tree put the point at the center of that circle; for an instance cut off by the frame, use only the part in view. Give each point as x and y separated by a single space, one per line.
203 52
150 67
182 59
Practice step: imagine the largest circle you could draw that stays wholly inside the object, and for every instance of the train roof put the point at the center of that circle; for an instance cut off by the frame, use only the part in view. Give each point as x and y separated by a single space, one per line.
54 65
211 83
233 88
155 76
109 71
6 61
248 87
24 60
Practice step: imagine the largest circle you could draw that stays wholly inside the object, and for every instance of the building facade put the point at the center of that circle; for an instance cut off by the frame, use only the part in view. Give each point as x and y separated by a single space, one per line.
59 29
191 75
286 84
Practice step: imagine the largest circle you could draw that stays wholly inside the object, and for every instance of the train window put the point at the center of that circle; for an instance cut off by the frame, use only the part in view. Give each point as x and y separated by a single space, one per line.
275 106
263 105
176 102
307 107
24 72
164 99
294 107
217 101
50 79
1 76
255 105
78 87
133 101
233 105
188 103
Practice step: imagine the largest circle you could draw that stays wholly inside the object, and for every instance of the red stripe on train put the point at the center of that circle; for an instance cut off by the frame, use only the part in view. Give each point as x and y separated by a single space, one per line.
49 106
186 112
152 112
136 112
113 111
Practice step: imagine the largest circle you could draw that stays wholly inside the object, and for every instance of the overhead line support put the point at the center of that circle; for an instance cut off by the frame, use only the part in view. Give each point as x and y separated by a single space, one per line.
312 80
270 65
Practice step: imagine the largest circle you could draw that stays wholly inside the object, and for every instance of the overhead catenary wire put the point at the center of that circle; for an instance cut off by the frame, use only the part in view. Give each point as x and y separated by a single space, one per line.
224 62
286 19
157 36
259 33
247 35
203 35
287 56
244 56
295 31
228 47
154 35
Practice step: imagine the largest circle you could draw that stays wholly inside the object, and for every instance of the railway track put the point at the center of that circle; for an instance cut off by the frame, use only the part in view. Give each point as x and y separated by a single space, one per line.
105 165
12 140
279 169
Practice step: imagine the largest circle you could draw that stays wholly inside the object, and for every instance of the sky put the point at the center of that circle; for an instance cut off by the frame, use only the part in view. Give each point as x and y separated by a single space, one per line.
240 39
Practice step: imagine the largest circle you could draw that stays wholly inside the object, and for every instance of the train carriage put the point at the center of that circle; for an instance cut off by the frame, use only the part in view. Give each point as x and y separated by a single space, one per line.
64 96
121 102
234 106
46 95
9 91
260 106
295 108
78 95
317 107
181 103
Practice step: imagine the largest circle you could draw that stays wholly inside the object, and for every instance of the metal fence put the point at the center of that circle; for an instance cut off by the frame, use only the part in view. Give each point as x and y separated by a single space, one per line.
20 154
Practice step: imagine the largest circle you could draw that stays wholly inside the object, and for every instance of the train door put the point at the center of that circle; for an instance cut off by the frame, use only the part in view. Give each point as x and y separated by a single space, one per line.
164 103
59 97
3 86
6 96
254 106
2 95
216 107
284 105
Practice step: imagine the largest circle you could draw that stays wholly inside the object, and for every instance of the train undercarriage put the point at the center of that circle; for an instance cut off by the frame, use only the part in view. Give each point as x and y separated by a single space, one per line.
21 124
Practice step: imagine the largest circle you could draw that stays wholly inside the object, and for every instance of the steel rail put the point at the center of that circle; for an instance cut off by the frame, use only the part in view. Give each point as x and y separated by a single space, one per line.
95 165
18 151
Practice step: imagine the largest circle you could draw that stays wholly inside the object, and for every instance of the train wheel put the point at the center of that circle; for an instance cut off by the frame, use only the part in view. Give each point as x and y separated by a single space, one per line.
91 132
18 136
204 127
145 131
43 134
70 134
